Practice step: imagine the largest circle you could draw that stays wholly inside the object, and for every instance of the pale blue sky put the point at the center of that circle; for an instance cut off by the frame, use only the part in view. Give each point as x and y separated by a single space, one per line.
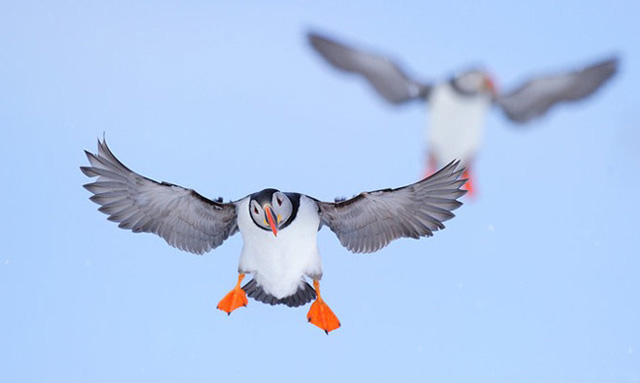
534 281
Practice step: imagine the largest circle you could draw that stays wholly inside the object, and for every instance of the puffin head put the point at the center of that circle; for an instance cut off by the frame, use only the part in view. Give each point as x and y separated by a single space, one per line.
474 82
270 209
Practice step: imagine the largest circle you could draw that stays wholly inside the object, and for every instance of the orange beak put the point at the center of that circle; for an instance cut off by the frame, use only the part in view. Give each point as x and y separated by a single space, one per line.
271 220
491 85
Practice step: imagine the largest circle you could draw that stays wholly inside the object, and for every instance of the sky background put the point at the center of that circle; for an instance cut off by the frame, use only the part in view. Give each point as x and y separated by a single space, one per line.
535 280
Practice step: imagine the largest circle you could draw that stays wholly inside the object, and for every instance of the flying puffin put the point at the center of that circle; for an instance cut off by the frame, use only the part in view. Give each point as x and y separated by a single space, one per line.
458 106
279 229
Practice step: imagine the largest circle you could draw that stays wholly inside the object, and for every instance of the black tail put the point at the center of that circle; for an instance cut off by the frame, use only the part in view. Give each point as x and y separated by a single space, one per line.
305 294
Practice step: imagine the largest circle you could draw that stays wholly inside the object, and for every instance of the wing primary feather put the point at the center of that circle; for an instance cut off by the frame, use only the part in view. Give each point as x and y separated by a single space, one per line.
371 220
182 217
383 74
535 97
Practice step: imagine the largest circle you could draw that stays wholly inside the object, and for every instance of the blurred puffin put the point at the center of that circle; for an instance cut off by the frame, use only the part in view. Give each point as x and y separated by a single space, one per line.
278 229
458 105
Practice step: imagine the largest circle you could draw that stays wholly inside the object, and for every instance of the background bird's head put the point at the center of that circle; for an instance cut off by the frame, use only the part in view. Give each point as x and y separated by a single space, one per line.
474 82
271 209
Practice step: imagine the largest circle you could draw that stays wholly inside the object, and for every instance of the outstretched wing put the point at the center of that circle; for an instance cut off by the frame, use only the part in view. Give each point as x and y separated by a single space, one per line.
184 218
385 76
370 220
534 98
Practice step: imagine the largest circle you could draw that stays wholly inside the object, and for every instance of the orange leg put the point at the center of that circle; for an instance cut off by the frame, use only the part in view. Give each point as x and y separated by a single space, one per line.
469 185
236 298
431 166
320 314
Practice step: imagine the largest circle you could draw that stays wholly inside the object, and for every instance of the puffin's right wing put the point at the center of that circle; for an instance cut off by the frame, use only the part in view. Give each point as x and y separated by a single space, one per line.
369 221
184 218
384 75
533 98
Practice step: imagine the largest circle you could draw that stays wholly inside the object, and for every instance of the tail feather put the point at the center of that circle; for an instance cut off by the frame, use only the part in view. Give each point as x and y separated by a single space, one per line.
304 295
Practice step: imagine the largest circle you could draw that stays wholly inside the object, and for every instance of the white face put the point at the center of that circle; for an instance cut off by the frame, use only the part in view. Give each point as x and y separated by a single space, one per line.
271 215
475 81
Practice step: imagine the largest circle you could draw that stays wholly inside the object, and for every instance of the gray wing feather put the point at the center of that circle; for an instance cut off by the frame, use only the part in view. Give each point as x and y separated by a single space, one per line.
370 220
534 98
184 218
384 75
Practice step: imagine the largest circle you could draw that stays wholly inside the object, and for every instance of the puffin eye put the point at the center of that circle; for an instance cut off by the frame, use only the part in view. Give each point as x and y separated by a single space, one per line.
279 201
255 210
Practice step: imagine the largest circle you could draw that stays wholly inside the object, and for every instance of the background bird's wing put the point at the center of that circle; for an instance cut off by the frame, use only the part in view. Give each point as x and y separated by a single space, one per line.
533 98
184 218
369 221
384 75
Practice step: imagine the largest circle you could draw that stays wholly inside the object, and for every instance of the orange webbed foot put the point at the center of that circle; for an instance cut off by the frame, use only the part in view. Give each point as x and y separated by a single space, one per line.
321 315
431 167
234 299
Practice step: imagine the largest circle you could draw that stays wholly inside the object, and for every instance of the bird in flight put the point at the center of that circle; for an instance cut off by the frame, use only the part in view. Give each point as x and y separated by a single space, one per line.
279 229
457 106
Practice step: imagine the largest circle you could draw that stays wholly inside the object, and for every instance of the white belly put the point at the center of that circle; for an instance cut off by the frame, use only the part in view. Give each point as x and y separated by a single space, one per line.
455 124
279 264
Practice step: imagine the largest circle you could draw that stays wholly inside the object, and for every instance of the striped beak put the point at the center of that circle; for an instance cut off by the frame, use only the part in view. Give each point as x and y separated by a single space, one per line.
271 219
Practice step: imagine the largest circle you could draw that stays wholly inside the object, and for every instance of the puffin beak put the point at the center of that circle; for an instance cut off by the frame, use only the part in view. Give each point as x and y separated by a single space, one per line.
271 219
491 85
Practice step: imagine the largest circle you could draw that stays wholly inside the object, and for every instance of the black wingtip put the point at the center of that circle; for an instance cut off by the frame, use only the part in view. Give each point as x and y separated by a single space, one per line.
612 61
608 67
313 36
88 171
323 41
104 139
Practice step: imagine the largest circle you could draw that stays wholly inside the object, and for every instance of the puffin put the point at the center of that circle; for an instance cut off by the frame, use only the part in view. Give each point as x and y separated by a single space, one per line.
279 229
458 105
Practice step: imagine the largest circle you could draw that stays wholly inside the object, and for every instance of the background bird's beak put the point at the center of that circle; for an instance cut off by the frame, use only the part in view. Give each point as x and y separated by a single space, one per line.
271 219
491 85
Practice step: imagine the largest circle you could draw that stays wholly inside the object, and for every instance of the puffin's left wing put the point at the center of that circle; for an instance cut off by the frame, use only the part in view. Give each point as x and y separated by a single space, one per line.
383 74
184 218
370 220
534 98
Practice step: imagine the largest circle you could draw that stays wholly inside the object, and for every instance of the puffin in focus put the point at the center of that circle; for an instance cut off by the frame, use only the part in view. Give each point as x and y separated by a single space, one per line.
458 106
279 229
